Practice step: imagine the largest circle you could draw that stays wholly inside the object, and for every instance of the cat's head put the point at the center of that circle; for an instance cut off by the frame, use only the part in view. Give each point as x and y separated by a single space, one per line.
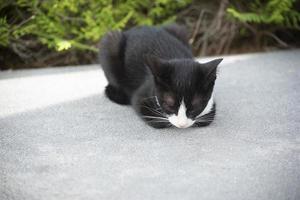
184 88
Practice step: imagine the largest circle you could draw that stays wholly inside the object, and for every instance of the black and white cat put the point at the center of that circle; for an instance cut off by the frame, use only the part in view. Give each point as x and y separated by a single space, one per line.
152 68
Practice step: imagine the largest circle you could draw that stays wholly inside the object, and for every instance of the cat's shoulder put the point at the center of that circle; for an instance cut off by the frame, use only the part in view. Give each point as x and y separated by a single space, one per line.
178 31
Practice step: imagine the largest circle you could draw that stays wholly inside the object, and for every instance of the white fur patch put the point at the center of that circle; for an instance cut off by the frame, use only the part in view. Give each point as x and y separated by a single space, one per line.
181 120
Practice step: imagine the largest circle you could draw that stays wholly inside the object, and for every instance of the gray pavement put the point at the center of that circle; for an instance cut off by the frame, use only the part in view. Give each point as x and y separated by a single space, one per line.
60 138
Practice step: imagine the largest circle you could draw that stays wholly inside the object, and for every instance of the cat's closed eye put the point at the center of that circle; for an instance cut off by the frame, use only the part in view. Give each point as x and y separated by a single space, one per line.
196 101
168 103
169 100
168 108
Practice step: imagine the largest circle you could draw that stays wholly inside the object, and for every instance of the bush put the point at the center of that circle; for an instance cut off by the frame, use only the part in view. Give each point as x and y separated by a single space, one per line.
38 31
267 21
233 26
271 12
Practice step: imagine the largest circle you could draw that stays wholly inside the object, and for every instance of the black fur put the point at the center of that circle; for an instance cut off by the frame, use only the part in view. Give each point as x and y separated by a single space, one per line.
153 69
117 95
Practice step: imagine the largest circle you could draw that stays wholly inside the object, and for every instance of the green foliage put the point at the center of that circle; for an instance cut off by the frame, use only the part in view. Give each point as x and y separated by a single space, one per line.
4 27
271 12
77 24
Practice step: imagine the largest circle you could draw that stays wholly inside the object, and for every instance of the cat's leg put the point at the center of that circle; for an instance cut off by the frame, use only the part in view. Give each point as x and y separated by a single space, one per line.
178 31
112 61
117 95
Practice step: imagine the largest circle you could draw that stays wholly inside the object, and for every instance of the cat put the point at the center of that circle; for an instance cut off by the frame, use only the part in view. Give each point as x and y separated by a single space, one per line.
153 69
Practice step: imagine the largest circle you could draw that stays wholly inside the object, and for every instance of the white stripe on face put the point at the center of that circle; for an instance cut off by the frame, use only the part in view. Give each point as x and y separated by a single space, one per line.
181 120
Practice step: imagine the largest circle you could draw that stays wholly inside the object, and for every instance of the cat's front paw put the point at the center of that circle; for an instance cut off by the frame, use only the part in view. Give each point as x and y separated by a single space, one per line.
159 125
202 124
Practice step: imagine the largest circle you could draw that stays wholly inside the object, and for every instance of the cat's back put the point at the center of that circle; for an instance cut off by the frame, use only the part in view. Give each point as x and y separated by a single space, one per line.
142 34
153 40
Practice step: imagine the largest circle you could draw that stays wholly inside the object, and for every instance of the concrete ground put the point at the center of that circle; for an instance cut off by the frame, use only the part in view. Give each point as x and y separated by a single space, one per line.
60 138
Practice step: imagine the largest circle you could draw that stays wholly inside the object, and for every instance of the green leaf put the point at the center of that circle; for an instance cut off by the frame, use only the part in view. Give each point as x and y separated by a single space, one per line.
63 45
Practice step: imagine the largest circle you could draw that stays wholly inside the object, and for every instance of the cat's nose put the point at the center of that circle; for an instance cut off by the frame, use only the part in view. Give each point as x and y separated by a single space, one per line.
182 124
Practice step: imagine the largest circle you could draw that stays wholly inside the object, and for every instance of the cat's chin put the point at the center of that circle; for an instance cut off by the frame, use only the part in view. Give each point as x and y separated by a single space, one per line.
183 126
179 122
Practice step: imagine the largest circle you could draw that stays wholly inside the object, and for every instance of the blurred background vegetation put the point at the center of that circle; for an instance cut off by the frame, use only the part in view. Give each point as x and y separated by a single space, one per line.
39 33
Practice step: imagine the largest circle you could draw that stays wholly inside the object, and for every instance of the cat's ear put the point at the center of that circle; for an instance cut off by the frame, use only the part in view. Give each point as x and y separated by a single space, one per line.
211 69
209 73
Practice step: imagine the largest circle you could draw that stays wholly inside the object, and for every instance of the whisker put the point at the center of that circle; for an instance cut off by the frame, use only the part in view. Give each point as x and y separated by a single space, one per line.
205 121
149 97
206 117
154 111
154 121
153 117
169 125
